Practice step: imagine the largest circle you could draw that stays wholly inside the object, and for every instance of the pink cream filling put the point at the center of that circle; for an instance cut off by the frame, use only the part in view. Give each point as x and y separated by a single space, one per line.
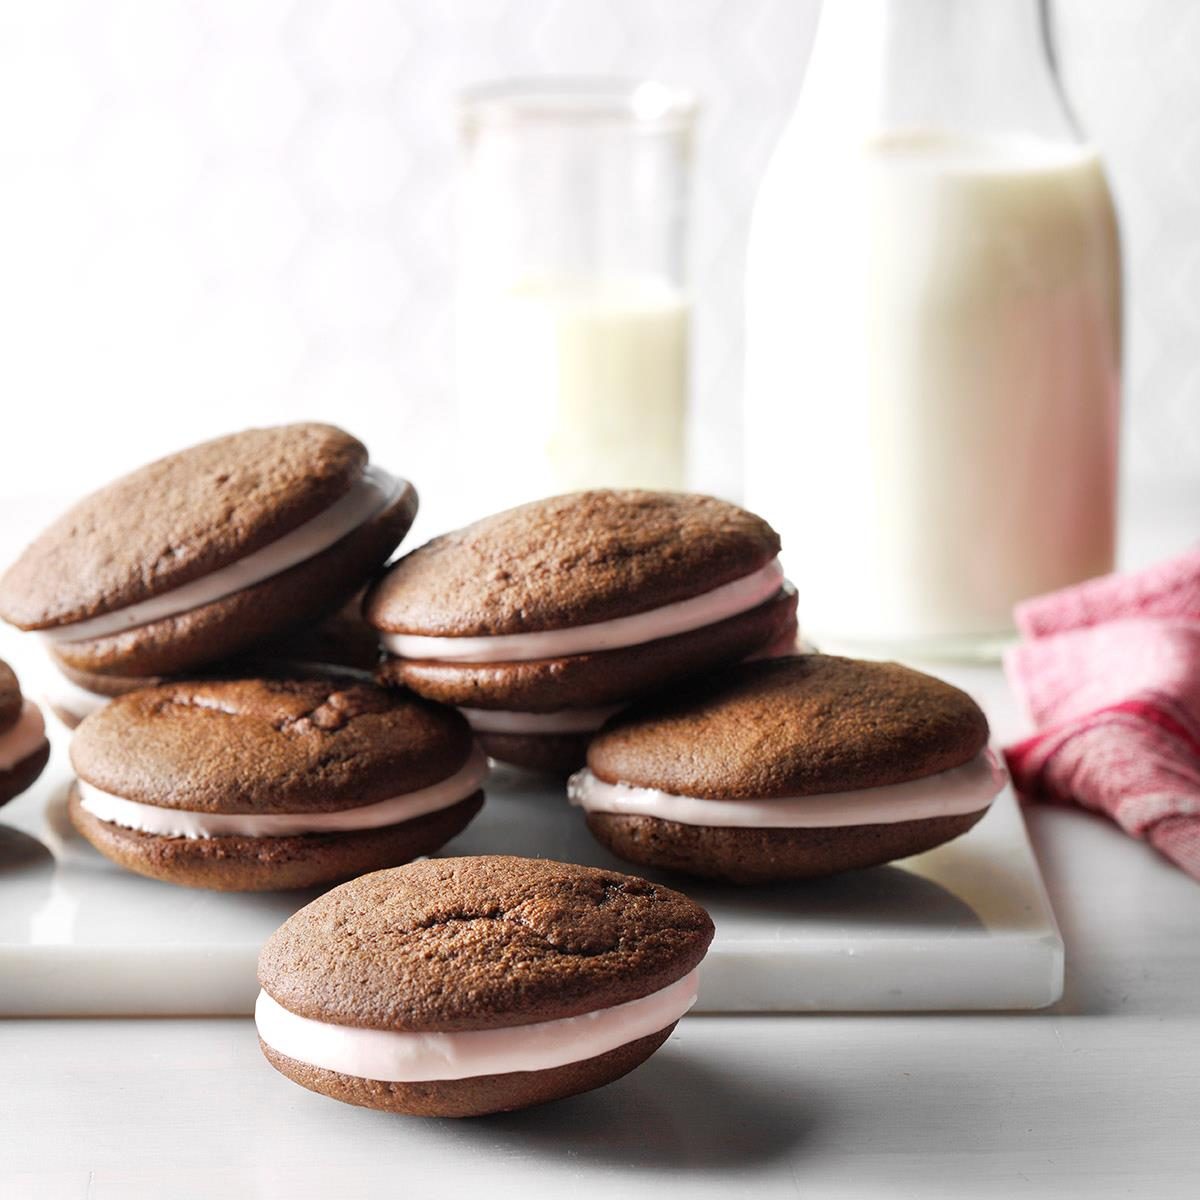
172 822
708 608
23 736
588 720
393 1056
964 789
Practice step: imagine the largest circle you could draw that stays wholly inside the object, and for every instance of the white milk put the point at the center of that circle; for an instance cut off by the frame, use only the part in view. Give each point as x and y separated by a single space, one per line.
933 381
567 385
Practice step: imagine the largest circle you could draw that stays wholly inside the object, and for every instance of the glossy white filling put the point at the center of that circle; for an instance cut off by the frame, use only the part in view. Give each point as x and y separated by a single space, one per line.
708 608
964 789
173 822
401 1057
374 491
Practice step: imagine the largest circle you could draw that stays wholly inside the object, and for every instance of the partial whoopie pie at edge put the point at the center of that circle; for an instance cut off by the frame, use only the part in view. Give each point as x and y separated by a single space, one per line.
24 750
568 567
262 784
789 768
194 558
454 987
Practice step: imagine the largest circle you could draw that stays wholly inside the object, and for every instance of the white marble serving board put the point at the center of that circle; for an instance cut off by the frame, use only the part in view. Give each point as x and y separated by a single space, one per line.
967 926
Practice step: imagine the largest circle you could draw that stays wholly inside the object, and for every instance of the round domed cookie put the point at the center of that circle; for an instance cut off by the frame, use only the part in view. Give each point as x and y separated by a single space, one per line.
457 987
540 621
196 557
24 750
261 784
341 644
789 768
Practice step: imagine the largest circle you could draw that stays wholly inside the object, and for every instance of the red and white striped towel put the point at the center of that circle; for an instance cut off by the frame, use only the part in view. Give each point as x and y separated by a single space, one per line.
1110 676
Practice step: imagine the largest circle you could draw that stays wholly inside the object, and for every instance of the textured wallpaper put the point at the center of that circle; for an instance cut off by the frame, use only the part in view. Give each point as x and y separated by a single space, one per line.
218 211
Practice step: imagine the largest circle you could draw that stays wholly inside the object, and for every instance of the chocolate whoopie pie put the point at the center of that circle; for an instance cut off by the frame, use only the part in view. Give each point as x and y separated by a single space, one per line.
196 557
789 768
457 987
24 750
541 621
259 784
342 644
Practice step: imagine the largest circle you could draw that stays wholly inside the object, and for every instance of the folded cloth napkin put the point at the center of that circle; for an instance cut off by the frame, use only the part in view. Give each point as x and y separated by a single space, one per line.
1110 676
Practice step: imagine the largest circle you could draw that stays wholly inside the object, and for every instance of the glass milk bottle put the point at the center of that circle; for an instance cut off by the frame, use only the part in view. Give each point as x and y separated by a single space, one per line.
933 337
572 351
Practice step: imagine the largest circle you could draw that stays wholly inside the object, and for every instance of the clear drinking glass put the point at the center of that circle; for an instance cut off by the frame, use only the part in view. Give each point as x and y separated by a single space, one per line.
933 330
573 318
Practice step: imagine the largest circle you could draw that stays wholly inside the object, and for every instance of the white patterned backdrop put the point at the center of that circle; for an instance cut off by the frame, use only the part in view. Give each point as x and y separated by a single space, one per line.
218 212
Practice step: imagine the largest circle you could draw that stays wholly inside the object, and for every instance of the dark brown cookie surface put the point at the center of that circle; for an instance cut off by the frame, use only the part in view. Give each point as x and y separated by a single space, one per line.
249 864
268 746
232 625
10 696
177 519
478 943
341 640
570 560
797 726
606 677
24 774
547 753
752 856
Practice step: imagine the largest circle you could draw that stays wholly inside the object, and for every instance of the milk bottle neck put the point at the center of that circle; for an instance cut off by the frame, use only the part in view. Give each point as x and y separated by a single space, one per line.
964 67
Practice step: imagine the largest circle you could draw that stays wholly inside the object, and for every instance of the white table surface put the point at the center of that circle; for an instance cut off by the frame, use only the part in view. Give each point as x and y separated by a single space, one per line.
1098 1096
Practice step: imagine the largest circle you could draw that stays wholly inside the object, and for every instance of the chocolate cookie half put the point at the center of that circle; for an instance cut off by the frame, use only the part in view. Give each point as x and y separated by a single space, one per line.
196 557
457 987
259 784
24 750
789 768
342 645
541 621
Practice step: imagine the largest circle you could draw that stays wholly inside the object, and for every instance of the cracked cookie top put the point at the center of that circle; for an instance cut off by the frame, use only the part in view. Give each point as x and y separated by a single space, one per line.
268 745
177 519
476 943
570 560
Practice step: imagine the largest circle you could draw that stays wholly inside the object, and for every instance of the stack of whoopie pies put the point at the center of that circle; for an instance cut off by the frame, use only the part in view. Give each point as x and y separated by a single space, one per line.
203 612
260 702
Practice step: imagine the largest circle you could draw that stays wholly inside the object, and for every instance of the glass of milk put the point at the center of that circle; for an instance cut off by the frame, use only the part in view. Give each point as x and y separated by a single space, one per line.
572 339
933 330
